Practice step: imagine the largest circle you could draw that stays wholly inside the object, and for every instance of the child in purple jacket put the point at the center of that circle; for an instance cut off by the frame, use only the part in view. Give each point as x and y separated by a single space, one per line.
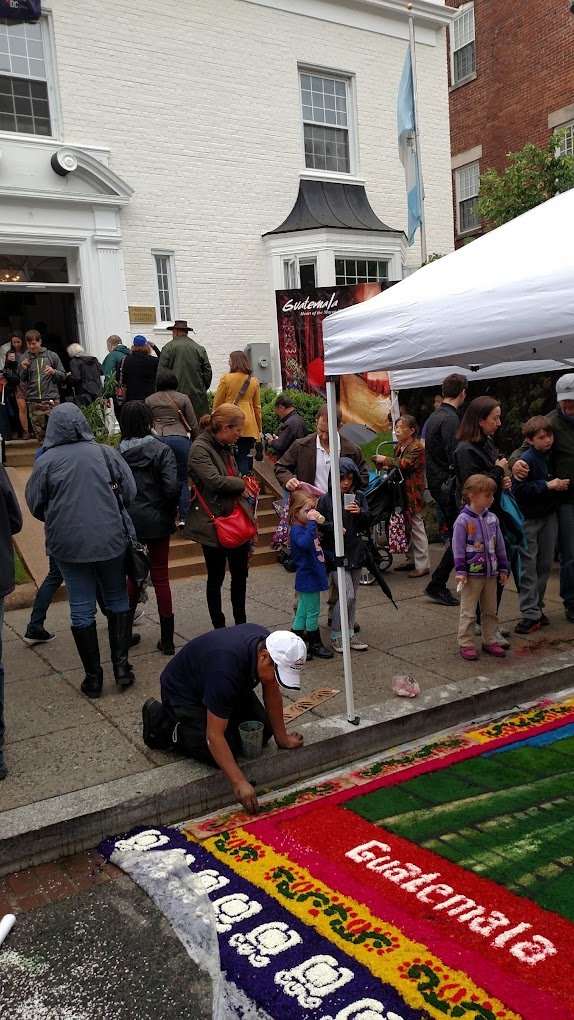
479 559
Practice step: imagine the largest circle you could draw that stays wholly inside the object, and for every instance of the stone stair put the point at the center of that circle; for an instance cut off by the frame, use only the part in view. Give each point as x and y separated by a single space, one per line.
21 453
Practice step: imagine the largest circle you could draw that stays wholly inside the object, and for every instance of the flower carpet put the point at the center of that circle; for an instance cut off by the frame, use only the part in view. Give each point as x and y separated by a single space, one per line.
435 883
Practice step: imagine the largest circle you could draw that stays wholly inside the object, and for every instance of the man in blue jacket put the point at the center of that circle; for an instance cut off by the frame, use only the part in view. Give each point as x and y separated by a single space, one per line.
207 691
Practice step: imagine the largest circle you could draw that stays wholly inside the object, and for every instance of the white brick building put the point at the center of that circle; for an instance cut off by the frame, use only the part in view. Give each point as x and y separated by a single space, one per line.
141 140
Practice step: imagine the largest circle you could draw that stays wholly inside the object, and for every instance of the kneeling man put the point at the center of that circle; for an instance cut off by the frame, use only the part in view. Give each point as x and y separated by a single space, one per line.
207 690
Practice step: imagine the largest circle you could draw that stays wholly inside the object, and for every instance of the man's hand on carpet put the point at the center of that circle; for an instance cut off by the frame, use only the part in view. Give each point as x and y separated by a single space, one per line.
246 795
291 741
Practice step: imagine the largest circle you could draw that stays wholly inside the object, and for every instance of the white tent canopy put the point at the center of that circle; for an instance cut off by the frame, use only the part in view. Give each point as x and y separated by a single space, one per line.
507 296
415 378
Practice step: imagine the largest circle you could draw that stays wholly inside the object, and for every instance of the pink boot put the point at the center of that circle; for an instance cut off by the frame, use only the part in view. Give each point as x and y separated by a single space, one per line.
494 650
469 653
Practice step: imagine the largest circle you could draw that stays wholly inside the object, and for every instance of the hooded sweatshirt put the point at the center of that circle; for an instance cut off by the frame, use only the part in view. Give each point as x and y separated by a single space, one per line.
353 524
477 545
70 490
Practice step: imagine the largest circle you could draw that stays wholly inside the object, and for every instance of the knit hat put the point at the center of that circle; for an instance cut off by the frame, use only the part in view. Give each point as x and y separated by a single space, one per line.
565 387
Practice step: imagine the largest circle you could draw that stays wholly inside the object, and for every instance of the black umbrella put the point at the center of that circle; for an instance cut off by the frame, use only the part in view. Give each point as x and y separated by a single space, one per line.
374 568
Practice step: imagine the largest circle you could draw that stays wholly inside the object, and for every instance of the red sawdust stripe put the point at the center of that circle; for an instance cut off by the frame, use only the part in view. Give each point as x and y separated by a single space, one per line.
522 984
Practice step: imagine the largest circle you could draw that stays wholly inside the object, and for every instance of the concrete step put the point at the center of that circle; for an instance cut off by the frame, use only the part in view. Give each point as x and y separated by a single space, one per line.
21 453
194 566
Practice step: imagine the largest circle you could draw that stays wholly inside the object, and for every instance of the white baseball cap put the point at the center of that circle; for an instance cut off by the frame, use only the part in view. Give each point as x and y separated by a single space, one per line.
289 655
565 387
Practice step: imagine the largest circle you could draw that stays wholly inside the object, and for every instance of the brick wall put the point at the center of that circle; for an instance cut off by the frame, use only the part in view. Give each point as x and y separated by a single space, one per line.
200 108
525 70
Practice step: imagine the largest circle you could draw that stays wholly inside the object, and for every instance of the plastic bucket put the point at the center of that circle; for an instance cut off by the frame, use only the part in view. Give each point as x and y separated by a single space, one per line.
251 734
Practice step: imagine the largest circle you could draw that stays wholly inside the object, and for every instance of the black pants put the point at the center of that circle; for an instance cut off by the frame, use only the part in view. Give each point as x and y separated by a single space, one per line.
215 561
441 574
191 728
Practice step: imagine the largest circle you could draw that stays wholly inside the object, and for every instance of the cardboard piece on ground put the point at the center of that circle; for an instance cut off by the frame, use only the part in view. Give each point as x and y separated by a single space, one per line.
302 705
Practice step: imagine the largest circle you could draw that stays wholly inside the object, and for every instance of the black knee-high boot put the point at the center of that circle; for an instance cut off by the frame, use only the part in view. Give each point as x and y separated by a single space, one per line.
86 639
120 632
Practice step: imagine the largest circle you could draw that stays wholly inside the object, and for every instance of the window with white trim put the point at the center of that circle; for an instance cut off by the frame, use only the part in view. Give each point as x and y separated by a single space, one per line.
467 183
567 140
348 271
166 296
25 85
462 45
326 112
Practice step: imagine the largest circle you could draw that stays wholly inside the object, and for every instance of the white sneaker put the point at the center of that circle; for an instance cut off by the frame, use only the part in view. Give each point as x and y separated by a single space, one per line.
357 645
138 615
501 640
337 644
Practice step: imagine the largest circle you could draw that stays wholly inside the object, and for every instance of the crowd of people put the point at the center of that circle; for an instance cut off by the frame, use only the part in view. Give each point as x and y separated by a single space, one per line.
180 465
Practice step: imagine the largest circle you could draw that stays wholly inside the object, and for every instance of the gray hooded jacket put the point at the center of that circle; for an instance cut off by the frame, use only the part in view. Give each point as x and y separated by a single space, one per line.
70 490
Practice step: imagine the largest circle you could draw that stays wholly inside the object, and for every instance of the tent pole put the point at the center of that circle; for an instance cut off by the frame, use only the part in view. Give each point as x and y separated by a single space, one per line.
417 133
340 548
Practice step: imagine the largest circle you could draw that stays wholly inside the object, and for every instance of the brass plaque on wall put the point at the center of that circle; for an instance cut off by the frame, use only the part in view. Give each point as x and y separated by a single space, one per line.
142 313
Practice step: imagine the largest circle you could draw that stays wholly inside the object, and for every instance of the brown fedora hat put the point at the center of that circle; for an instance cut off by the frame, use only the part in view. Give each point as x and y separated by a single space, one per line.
179 324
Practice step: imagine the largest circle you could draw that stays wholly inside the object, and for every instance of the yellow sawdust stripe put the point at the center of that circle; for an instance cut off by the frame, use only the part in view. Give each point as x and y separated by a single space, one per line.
393 963
522 720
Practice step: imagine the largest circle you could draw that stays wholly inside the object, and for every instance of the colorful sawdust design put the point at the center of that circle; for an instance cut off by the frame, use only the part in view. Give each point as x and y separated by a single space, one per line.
393 892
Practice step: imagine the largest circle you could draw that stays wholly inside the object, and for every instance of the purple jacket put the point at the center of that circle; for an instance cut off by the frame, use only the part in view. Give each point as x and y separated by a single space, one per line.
477 545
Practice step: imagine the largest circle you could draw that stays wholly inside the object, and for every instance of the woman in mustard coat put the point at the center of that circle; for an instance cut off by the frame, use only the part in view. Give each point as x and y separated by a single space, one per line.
240 387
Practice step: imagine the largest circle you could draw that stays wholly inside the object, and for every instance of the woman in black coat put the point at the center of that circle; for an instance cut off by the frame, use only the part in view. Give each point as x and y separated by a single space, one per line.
138 371
154 468
85 375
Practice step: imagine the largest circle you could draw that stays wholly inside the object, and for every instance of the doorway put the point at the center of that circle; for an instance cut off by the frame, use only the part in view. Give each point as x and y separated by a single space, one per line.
52 313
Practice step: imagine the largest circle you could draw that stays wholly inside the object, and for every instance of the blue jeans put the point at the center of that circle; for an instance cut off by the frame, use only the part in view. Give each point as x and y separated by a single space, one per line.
45 595
180 446
2 727
566 550
81 584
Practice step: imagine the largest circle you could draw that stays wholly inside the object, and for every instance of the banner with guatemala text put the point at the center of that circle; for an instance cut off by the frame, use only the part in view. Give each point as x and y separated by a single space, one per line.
364 399
20 10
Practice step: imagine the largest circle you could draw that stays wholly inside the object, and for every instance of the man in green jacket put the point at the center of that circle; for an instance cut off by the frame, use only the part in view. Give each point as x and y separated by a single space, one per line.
190 363
117 351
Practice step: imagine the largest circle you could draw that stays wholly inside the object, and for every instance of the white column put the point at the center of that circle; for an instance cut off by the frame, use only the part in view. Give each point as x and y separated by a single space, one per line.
113 311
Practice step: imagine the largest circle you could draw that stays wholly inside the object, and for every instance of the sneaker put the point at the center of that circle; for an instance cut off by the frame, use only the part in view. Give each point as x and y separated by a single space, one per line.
527 626
496 650
469 653
337 644
501 640
477 629
442 596
138 615
37 636
544 621
357 645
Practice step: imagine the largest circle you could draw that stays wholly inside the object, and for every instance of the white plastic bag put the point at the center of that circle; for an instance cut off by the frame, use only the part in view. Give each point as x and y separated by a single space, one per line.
405 686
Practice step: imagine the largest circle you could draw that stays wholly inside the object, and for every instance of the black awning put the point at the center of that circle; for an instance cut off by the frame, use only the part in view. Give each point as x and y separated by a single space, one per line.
322 204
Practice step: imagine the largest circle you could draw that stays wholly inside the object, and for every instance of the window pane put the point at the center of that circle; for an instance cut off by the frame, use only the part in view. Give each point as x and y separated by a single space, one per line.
464 62
468 215
350 271
163 275
21 43
567 142
326 148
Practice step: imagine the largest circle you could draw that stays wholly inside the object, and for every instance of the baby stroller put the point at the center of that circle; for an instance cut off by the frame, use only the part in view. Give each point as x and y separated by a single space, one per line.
384 494
280 540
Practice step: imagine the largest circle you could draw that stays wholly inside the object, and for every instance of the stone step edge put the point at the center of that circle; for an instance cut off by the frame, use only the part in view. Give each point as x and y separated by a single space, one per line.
62 826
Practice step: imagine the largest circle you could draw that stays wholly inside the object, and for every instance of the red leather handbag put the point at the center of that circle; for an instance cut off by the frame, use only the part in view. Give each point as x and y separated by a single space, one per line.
233 530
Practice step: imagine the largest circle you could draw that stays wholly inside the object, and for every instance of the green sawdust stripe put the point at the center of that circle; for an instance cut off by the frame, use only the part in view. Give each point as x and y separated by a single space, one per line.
507 816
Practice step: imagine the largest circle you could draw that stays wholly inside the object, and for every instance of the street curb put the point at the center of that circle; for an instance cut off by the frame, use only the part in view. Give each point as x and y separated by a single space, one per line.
62 826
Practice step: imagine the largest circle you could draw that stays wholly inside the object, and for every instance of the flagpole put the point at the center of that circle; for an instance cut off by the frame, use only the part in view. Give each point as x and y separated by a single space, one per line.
417 138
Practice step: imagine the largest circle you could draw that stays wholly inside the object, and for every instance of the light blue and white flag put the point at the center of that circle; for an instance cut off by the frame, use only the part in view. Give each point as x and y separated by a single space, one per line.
408 147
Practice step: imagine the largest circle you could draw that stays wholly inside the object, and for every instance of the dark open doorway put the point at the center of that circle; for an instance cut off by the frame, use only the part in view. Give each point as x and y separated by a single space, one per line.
52 313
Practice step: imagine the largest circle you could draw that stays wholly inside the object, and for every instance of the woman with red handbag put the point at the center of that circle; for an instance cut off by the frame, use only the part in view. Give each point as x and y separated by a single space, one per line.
220 517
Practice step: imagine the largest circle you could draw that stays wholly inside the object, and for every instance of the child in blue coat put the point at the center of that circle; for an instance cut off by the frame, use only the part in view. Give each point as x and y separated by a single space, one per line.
311 576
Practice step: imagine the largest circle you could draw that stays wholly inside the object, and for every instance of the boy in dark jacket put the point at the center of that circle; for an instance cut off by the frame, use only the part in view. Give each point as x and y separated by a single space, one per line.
356 518
10 524
538 498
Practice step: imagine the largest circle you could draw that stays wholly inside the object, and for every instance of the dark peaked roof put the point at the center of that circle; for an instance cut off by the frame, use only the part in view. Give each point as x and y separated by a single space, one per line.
331 204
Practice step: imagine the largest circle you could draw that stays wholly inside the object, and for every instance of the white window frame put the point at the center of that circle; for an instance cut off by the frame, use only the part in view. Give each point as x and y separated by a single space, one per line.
460 197
349 80
361 257
49 46
292 270
566 147
172 286
462 11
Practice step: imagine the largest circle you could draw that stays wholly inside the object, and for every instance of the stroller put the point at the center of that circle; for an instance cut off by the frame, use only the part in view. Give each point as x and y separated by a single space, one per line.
384 494
280 540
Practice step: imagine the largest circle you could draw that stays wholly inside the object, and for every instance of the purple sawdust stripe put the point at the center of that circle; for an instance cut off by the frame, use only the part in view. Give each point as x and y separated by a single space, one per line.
283 965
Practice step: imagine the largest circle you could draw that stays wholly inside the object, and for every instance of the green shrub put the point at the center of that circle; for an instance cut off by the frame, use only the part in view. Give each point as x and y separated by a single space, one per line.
306 404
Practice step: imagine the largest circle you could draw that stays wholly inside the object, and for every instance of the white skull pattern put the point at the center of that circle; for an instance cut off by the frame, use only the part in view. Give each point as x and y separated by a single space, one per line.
365 1009
265 941
229 910
210 880
150 839
311 981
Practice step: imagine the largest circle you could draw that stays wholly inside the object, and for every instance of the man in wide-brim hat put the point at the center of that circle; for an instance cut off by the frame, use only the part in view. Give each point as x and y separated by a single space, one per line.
189 361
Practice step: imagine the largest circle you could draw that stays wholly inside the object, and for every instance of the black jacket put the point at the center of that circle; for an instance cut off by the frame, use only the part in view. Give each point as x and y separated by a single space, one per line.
138 375
293 428
354 524
154 468
10 524
477 459
440 444
85 376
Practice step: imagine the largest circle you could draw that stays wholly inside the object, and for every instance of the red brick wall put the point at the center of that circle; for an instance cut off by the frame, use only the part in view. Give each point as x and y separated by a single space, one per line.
525 70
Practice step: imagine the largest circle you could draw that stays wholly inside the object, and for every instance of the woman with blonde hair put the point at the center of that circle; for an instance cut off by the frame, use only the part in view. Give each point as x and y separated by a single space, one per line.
239 386
216 484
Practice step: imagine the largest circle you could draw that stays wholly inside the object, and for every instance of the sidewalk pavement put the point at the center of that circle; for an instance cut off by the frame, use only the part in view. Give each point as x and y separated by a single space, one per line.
79 770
